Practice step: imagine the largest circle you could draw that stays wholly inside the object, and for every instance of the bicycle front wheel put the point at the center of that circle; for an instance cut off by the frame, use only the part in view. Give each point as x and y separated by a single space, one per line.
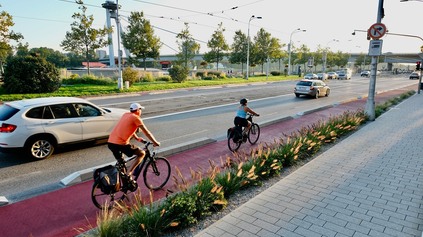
103 200
156 173
254 133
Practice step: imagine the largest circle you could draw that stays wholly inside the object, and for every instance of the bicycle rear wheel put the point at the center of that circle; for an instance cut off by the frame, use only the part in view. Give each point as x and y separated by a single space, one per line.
156 173
103 200
233 142
254 133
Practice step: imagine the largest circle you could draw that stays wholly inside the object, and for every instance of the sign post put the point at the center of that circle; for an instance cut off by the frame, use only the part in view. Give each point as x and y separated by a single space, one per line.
376 31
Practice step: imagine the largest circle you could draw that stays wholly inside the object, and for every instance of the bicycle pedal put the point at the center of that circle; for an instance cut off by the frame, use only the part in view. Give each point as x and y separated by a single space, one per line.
132 185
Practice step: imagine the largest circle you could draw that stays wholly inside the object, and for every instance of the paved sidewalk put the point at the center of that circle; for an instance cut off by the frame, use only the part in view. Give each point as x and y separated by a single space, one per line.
370 184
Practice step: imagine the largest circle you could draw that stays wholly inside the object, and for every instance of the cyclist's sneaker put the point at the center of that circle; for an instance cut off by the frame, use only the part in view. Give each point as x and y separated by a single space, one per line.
131 184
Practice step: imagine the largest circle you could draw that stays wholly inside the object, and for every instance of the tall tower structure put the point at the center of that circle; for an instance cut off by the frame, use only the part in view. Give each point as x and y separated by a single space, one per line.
111 8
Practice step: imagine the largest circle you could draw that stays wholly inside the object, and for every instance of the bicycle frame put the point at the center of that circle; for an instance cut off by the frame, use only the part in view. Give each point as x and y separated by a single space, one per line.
144 161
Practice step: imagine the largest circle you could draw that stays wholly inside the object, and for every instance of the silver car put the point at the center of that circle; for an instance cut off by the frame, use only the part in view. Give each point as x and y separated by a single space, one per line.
38 126
311 76
313 88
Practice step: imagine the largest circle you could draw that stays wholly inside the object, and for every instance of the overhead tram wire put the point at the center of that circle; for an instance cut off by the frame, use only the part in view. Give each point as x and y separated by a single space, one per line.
124 18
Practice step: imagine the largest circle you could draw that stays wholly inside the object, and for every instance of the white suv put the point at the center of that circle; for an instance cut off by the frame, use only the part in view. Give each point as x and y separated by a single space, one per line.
38 126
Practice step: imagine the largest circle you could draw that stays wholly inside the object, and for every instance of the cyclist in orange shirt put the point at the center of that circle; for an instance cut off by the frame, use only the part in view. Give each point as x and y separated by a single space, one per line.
125 129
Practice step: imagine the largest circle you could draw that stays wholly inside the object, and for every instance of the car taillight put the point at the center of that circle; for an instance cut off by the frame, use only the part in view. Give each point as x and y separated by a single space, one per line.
7 127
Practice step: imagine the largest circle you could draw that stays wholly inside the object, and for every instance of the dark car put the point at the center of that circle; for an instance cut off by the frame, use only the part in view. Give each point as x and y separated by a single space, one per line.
313 88
415 75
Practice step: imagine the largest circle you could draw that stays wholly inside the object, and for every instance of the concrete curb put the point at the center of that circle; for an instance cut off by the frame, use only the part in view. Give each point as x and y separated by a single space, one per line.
3 201
87 174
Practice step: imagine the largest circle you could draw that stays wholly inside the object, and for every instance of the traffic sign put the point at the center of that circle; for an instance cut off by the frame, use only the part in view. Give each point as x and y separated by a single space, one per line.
377 31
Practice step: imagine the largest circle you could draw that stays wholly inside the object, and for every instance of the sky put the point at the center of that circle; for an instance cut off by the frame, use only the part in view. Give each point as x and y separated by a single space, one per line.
328 23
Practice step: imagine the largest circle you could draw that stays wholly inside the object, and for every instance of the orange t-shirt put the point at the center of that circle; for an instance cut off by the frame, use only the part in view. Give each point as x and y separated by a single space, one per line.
125 129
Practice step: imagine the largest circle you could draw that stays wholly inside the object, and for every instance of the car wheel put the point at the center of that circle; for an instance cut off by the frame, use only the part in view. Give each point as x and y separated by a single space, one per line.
40 147
327 92
297 95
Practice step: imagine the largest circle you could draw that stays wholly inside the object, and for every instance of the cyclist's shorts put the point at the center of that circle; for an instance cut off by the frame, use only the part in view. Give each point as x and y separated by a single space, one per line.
243 122
117 150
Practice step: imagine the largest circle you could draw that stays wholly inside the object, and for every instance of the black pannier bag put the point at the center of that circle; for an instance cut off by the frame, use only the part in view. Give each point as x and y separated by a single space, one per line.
108 179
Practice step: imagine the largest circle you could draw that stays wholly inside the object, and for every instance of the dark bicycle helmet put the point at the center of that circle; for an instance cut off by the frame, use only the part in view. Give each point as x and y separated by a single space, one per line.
243 101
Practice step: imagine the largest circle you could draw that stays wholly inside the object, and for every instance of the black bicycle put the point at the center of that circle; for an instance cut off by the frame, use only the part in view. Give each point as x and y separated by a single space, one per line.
236 137
156 174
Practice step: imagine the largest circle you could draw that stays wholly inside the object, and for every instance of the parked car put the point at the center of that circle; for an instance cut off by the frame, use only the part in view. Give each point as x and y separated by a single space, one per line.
414 75
322 76
313 88
310 76
365 74
39 126
332 75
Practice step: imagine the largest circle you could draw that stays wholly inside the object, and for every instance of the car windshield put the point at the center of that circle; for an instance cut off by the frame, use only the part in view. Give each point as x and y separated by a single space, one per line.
7 111
304 83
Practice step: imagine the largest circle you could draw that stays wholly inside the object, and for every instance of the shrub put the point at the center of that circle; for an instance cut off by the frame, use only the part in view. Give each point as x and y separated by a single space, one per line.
209 78
30 75
178 73
180 208
200 74
88 80
217 74
164 78
147 77
130 74
275 73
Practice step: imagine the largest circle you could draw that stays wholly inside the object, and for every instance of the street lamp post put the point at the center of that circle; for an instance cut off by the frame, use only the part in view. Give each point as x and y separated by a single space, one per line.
289 48
120 79
248 43
325 54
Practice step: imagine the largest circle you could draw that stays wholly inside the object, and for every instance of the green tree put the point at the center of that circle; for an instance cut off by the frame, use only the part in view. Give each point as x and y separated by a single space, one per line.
362 60
302 55
265 47
30 74
140 39
22 50
188 48
341 59
218 47
239 50
6 35
83 39
53 56
74 60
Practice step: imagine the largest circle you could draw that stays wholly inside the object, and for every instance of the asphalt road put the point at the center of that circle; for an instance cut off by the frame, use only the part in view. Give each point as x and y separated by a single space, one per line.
176 117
